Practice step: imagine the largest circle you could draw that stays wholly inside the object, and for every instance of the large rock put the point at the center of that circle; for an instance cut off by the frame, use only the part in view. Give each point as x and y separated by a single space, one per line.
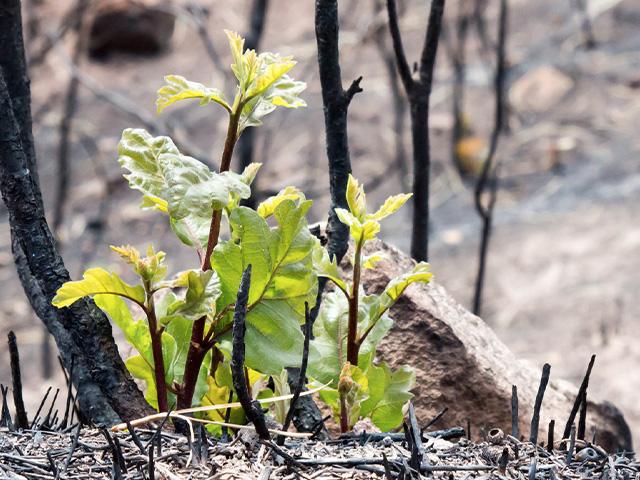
134 26
461 364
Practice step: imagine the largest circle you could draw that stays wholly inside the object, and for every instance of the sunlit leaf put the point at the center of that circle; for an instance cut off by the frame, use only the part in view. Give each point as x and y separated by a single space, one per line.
179 88
202 288
388 392
356 198
420 273
268 206
328 268
97 281
390 206
282 280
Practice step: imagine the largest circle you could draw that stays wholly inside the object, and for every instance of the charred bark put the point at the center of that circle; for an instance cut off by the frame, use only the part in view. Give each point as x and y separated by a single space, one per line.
418 89
106 391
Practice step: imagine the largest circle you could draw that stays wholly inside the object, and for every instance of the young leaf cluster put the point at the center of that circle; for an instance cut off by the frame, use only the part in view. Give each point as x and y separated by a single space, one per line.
180 324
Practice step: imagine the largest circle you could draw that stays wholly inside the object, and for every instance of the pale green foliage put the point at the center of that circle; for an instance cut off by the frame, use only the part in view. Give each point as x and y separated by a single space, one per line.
202 289
388 392
330 334
183 187
282 280
362 225
263 85
220 386
179 88
369 390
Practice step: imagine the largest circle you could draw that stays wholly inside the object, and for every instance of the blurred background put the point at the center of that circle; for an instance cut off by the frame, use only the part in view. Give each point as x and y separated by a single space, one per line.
562 277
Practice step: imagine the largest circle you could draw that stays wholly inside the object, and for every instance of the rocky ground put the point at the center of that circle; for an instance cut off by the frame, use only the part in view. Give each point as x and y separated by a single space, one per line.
562 273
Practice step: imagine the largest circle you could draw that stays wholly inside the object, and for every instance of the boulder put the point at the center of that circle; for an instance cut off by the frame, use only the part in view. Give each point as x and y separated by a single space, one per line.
133 26
461 364
540 89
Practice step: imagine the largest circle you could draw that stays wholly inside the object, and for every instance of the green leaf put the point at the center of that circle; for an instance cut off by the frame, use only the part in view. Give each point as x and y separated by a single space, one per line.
330 334
389 391
390 206
282 281
181 186
202 291
420 273
281 388
96 281
356 198
268 207
324 267
193 193
136 332
179 88
175 342
271 88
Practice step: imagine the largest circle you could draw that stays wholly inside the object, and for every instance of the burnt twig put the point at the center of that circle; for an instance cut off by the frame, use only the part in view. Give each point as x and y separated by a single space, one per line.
576 404
301 374
16 380
535 420
582 420
489 176
419 91
515 426
252 409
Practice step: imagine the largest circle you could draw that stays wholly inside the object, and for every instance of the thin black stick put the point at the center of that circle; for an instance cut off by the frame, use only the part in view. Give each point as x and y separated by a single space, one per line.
535 420
582 420
21 414
44 399
515 424
69 401
489 175
74 445
550 434
135 438
252 409
436 418
302 374
5 417
419 91
576 404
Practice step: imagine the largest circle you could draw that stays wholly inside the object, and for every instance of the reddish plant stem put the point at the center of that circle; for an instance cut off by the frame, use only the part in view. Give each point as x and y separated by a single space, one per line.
198 347
156 348
352 333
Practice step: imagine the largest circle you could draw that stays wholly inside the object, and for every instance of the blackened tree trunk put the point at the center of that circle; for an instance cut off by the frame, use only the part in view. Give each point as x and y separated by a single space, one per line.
106 391
335 100
418 90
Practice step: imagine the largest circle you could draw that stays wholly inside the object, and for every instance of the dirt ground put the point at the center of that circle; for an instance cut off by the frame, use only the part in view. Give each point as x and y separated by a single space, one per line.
563 267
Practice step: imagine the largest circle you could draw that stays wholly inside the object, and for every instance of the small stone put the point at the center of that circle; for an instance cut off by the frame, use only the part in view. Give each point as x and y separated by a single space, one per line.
540 89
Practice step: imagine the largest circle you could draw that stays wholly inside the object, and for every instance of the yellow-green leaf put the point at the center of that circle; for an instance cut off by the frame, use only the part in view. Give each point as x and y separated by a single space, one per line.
268 207
356 198
97 281
179 88
420 273
390 205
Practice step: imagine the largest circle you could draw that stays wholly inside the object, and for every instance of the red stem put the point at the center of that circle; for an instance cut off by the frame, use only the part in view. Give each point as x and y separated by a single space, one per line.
156 348
352 334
